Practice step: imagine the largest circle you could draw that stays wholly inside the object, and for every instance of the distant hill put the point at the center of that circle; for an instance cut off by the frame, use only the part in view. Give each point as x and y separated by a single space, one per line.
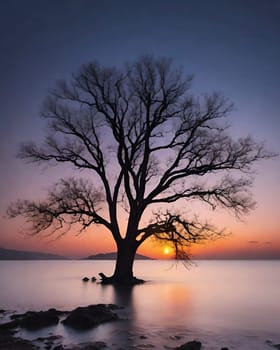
9 254
113 256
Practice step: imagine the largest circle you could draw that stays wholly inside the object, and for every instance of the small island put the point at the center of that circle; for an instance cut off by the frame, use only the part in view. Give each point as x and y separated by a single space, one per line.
12 254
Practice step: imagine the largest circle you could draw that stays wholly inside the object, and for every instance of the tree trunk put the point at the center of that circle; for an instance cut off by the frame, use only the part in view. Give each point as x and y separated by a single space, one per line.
123 273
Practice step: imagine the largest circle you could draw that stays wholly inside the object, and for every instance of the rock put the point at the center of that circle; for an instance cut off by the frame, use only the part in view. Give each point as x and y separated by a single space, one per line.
53 338
144 346
191 345
41 319
224 348
93 279
8 325
90 316
32 320
9 342
53 342
114 306
93 346
269 342
85 279
40 339
15 316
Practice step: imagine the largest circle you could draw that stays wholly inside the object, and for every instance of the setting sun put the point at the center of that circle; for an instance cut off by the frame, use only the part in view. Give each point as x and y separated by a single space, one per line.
166 250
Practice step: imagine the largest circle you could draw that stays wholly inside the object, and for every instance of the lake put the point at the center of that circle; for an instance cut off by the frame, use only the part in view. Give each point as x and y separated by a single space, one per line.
221 303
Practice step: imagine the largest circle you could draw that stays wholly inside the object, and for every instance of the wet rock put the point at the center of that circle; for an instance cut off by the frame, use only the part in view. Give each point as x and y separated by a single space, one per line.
9 342
93 279
59 347
85 279
93 346
53 337
269 342
144 346
53 342
40 339
90 316
8 325
33 320
36 320
16 316
191 345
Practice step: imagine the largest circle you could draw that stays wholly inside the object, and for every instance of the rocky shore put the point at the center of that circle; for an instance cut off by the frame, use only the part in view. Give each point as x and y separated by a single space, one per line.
79 319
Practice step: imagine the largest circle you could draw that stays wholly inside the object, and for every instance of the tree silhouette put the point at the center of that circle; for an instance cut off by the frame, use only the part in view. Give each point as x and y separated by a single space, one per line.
146 143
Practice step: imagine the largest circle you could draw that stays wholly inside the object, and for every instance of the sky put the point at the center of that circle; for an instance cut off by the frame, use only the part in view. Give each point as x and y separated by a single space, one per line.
229 46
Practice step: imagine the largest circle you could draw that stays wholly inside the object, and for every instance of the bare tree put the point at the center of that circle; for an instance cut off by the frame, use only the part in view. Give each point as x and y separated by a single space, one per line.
148 144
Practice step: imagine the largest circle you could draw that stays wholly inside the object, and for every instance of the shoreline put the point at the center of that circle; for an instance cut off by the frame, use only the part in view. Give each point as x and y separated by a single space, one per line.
17 337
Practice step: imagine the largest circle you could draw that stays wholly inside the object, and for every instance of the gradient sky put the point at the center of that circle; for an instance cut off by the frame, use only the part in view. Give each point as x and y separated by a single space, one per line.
229 46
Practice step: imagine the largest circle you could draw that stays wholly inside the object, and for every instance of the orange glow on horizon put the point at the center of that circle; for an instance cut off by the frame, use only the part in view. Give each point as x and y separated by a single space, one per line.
247 241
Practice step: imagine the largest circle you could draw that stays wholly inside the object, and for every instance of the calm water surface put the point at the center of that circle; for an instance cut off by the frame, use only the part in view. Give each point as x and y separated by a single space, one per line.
222 303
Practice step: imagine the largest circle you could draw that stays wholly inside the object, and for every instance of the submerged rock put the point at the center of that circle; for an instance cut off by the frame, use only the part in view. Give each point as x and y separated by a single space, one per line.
90 316
191 345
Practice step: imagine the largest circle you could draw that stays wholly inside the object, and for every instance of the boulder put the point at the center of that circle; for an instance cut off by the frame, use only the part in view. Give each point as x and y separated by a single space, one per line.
33 320
85 279
36 320
191 345
90 316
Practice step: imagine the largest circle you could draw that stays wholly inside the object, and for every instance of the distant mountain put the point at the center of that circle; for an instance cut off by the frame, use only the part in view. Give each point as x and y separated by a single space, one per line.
9 254
113 256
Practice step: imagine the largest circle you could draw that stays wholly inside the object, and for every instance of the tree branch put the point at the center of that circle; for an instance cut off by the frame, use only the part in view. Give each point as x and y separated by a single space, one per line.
70 201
